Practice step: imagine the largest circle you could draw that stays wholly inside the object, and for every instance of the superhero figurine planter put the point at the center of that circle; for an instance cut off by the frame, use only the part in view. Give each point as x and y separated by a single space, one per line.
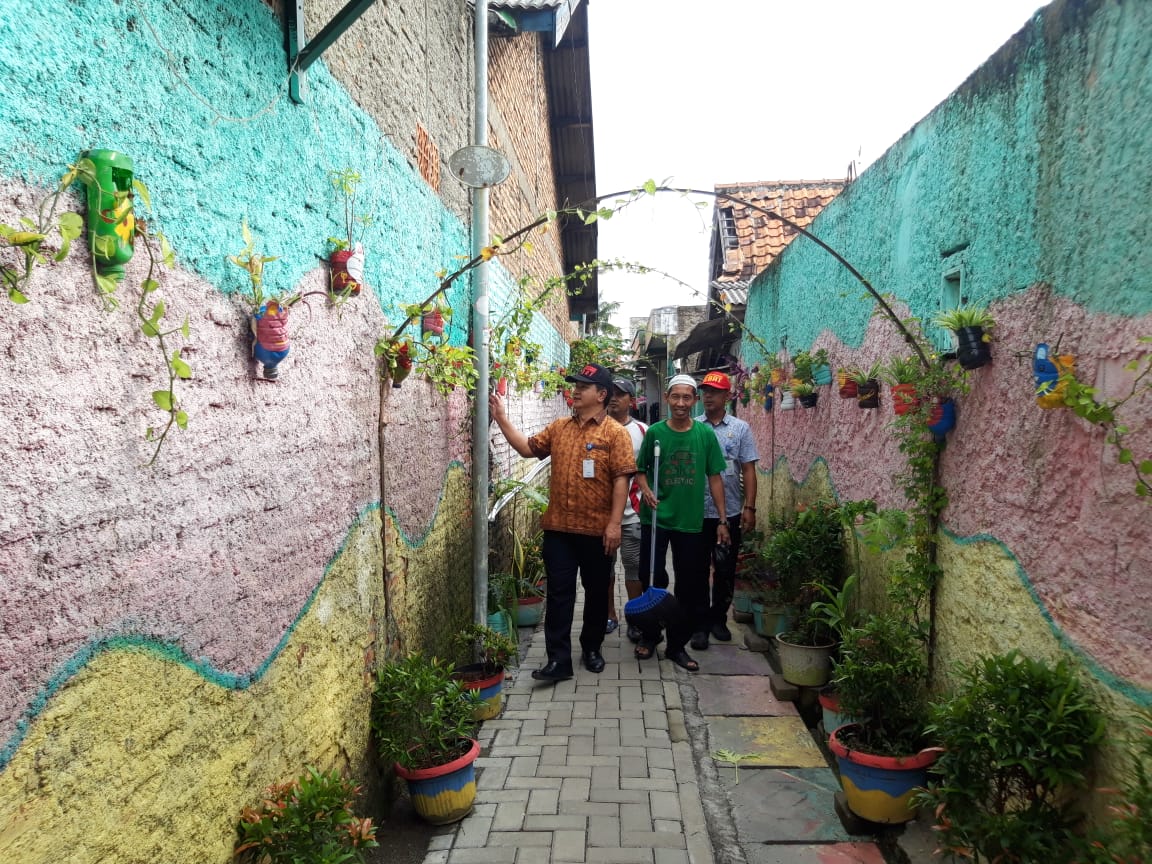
270 332
111 222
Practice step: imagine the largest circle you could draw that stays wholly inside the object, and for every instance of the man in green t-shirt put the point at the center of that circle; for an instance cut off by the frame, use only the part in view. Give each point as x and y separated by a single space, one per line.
690 461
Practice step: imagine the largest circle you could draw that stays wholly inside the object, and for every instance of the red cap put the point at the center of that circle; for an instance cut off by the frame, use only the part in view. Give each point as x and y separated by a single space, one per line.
718 380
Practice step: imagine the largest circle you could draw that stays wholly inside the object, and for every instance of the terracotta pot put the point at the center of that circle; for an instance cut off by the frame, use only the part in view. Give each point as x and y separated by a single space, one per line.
904 398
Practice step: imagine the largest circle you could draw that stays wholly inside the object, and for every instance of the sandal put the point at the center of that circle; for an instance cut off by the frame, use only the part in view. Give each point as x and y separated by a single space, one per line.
682 659
643 651
611 626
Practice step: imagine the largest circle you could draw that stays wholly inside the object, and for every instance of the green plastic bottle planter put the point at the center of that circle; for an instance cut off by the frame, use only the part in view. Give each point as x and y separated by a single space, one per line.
111 222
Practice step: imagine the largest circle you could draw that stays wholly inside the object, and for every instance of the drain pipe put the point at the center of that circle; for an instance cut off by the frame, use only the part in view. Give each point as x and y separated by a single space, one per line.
480 333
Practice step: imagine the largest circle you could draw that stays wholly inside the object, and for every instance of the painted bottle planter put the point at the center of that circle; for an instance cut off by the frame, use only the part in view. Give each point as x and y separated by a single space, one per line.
868 394
808 400
880 788
433 322
488 681
529 611
787 401
270 344
769 396
446 793
941 417
904 398
501 622
847 387
822 375
973 347
804 665
347 267
776 376
1047 371
111 220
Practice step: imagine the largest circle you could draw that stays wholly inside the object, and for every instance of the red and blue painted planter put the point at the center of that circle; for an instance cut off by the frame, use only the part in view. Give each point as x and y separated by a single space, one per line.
488 683
880 788
446 793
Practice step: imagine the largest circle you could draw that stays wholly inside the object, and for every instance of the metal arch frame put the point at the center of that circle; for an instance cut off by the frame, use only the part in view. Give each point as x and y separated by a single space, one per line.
301 55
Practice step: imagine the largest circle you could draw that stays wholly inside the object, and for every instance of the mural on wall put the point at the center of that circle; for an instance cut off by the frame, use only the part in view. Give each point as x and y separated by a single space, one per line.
979 197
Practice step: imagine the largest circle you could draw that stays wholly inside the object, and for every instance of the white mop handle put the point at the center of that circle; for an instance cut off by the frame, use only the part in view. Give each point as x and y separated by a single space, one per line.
656 495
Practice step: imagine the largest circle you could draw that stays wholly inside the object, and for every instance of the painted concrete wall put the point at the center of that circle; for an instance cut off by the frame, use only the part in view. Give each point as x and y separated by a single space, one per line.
175 638
1033 177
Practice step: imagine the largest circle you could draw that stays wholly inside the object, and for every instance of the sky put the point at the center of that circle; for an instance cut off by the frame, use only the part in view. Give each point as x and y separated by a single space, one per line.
755 90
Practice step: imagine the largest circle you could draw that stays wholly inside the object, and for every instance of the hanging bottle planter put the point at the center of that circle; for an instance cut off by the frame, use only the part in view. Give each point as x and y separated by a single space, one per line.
270 337
347 266
111 221
821 374
787 401
1047 372
769 396
941 417
847 387
868 394
433 321
904 398
973 348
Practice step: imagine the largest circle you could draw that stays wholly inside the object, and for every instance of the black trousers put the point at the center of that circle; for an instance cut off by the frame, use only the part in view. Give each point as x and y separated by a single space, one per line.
723 574
565 554
690 566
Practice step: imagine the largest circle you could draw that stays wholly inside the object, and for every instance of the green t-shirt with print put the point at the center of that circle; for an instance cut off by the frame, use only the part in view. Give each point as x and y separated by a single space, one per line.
687 460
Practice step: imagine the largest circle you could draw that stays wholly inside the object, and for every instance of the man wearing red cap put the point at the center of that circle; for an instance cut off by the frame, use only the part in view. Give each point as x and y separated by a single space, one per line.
739 478
592 462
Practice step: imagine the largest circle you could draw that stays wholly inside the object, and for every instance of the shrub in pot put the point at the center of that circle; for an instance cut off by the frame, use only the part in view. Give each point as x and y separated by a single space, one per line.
494 652
881 678
422 721
1018 736
969 326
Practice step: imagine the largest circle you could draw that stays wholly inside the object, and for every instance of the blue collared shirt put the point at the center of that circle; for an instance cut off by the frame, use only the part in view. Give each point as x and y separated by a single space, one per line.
739 448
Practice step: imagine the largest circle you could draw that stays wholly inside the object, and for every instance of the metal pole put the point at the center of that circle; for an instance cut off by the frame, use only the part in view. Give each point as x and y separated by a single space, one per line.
480 332
656 495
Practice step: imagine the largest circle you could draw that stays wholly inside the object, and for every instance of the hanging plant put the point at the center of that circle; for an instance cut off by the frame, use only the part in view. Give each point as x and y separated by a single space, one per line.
347 259
969 326
27 240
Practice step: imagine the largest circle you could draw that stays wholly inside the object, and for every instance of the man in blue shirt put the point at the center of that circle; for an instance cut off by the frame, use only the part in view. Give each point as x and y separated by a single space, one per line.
739 478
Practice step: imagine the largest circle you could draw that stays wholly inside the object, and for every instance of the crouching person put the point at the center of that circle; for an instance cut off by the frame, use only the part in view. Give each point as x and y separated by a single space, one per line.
657 609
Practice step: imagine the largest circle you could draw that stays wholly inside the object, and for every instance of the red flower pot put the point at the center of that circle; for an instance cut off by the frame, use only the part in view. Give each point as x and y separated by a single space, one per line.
433 322
904 398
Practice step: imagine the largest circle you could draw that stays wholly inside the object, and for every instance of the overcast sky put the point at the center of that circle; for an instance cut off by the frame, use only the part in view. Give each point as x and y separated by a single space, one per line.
754 90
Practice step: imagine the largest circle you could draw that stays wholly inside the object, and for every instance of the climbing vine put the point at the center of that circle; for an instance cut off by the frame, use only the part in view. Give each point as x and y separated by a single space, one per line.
27 240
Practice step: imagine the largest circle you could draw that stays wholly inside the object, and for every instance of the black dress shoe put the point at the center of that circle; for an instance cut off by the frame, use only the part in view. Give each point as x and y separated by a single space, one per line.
721 632
700 641
555 671
593 662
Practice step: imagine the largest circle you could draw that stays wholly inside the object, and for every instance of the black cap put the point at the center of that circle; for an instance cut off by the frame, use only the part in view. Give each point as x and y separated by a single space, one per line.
593 373
624 386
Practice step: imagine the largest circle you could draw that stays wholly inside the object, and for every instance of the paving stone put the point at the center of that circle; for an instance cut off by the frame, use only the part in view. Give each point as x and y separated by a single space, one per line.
591 808
543 801
830 853
650 784
575 789
569 821
671 856
524 766
773 741
784 690
604 831
784 806
533 855
439 842
568 846
509 816
440 857
654 839
473 832
665 805
740 695
636 819
564 771
634 766
618 855
519 838
661 826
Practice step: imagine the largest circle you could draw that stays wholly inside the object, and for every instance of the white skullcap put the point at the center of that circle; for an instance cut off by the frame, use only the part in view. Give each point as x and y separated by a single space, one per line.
682 379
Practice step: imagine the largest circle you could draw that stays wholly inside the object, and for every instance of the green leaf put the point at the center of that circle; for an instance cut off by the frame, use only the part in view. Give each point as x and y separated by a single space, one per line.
142 191
166 253
650 187
163 399
16 297
103 246
149 285
28 223
106 284
86 171
184 327
149 329
157 312
65 247
1125 456
71 225
1146 466
180 367
182 419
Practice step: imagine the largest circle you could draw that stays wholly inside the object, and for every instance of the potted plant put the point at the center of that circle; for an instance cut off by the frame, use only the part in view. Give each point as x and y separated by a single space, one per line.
812 367
969 326
1018 736
901 374
494 652
787 400
422 720
346 260
398 357
528 572
881 679
501 602
307 819
806 394
269 312
867 385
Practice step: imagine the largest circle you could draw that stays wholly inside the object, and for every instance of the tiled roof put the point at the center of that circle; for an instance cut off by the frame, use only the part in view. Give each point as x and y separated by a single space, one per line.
760 239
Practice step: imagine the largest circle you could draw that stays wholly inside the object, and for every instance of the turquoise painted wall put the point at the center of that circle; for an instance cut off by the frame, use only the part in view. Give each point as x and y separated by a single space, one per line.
1036 169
